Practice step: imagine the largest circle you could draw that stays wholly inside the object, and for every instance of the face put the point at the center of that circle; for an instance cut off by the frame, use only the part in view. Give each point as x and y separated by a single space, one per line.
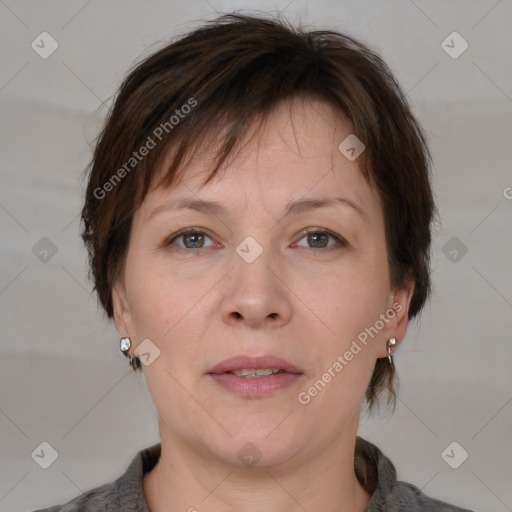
256 278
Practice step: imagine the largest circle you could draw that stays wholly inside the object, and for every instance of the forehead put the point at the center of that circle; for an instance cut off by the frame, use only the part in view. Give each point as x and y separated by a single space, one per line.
293 154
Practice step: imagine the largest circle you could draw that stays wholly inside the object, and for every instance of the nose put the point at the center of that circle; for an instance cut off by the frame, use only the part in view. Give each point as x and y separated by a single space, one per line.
256 294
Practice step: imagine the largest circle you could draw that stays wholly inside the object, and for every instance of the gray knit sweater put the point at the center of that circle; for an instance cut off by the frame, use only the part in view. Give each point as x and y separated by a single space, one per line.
373 469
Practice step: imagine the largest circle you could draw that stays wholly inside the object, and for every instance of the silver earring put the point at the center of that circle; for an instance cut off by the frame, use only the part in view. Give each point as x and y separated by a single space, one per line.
391 342
125 343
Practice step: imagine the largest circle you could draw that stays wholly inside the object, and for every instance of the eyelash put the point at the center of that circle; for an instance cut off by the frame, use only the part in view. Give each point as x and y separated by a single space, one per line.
339 239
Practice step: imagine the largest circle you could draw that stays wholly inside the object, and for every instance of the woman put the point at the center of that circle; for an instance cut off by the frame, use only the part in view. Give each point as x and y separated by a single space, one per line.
257 218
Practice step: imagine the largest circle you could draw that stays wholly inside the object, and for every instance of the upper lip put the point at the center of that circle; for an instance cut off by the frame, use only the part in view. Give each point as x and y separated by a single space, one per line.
243 362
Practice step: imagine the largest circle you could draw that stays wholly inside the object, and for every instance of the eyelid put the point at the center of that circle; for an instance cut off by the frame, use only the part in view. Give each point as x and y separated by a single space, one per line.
341 241
187 231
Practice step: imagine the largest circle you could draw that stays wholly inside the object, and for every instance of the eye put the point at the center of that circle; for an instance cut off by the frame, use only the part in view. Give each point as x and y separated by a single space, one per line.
320 237
192 239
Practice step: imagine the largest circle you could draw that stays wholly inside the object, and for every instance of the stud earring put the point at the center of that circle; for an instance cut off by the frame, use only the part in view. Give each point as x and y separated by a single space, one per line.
391 342
125 345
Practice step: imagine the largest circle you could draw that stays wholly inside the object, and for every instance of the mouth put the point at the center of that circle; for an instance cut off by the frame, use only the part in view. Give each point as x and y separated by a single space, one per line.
254 377
246 366
256 374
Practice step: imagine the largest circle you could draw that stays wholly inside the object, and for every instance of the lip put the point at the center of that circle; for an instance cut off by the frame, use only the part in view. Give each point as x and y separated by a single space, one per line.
254 388
242 362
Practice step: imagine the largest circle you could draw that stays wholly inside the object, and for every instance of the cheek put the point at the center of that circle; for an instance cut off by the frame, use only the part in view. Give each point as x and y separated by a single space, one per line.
168 309
346 359
161 309
155 299
346 304
349 300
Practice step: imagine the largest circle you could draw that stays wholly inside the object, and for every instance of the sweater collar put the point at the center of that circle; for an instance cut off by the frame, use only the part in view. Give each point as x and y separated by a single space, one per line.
373 469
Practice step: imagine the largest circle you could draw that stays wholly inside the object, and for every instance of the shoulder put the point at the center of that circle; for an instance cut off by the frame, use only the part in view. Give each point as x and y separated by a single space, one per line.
378 475
405 497
94 500
124 494
105 498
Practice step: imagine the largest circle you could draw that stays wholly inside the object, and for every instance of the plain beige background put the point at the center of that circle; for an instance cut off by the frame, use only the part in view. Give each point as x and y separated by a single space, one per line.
63 379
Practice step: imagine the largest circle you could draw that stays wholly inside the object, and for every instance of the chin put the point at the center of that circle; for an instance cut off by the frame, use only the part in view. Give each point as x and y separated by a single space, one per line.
260 454
255 448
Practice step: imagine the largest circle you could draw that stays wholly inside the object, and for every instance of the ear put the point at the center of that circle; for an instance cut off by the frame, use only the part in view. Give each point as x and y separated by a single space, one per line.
123 318
397 326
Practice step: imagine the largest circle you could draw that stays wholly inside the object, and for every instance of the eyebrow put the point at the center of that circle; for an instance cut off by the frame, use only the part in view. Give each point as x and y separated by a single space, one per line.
292 208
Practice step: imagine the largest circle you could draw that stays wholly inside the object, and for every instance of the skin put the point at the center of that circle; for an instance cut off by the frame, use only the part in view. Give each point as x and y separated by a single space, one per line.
298 300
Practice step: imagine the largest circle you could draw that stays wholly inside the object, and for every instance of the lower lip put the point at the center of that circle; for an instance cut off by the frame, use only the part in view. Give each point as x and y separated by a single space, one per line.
255 387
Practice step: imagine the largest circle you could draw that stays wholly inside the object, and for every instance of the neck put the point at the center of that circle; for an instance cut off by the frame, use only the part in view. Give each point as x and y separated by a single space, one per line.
185 480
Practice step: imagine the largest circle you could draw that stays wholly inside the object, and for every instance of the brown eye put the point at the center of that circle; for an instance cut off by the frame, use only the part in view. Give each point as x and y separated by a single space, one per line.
319 239
191 239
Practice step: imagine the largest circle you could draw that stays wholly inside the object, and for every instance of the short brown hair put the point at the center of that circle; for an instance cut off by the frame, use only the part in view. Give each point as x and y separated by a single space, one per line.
231 72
